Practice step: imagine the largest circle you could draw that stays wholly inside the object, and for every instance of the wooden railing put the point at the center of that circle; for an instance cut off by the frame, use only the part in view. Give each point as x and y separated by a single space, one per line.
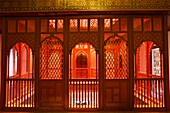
20 93
149 93
83 93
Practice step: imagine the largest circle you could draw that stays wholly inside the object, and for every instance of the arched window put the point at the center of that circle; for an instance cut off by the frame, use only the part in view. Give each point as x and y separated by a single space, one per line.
81 60
19 78
20 61
149 80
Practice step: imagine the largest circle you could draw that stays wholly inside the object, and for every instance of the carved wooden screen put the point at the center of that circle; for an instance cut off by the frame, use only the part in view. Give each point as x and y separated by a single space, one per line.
116 65
51 59
116 60
51 72
51 84
149 79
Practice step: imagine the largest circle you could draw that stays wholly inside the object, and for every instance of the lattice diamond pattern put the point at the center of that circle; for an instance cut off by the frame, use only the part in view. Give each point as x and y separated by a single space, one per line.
116 59
52 25
83 24
93 24
51 56
60 24
73 24
107 24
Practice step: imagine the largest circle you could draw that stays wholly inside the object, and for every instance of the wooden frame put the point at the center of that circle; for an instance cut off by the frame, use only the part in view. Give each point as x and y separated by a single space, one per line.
66 34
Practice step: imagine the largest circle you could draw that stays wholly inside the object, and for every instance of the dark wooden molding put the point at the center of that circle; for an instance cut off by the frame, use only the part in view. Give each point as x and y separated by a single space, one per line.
72 13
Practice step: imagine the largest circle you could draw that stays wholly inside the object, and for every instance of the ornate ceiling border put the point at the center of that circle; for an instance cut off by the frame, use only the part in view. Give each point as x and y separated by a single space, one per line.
82 5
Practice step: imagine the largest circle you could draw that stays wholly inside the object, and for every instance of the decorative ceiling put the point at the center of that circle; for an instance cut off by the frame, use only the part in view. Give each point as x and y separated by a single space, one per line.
82 5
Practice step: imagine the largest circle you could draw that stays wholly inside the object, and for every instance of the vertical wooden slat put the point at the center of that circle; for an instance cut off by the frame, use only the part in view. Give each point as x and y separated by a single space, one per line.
157 94
82 92
162 83
93 84
16 93
149 82
76 94
23 96
85 95
69 93
79 92
33 93
13 93
73 95
88 95
91 94
10 92
146 93
139 93
143 94
30 94
27 92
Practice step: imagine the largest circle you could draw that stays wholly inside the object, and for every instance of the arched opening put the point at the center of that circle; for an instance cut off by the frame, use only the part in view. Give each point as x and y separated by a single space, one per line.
149 79
83 78
19 78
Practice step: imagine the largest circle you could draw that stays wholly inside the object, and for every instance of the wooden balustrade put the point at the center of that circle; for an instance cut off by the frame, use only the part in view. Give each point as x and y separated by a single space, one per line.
83 93
20 93
149 93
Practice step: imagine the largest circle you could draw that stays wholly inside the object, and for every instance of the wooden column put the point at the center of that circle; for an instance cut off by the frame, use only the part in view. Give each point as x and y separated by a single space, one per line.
131 62
66 64
165 63
36 62
3 63
101 63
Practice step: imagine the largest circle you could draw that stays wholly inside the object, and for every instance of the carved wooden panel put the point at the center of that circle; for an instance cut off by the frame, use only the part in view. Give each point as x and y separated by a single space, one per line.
74 38
116 94
156 37
27 38
51 94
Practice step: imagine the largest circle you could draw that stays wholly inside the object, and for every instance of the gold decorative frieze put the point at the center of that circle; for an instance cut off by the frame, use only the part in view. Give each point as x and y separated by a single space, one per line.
96 5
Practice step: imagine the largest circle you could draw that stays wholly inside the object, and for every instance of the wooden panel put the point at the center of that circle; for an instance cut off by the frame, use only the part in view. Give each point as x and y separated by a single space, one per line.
116 94
51 94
